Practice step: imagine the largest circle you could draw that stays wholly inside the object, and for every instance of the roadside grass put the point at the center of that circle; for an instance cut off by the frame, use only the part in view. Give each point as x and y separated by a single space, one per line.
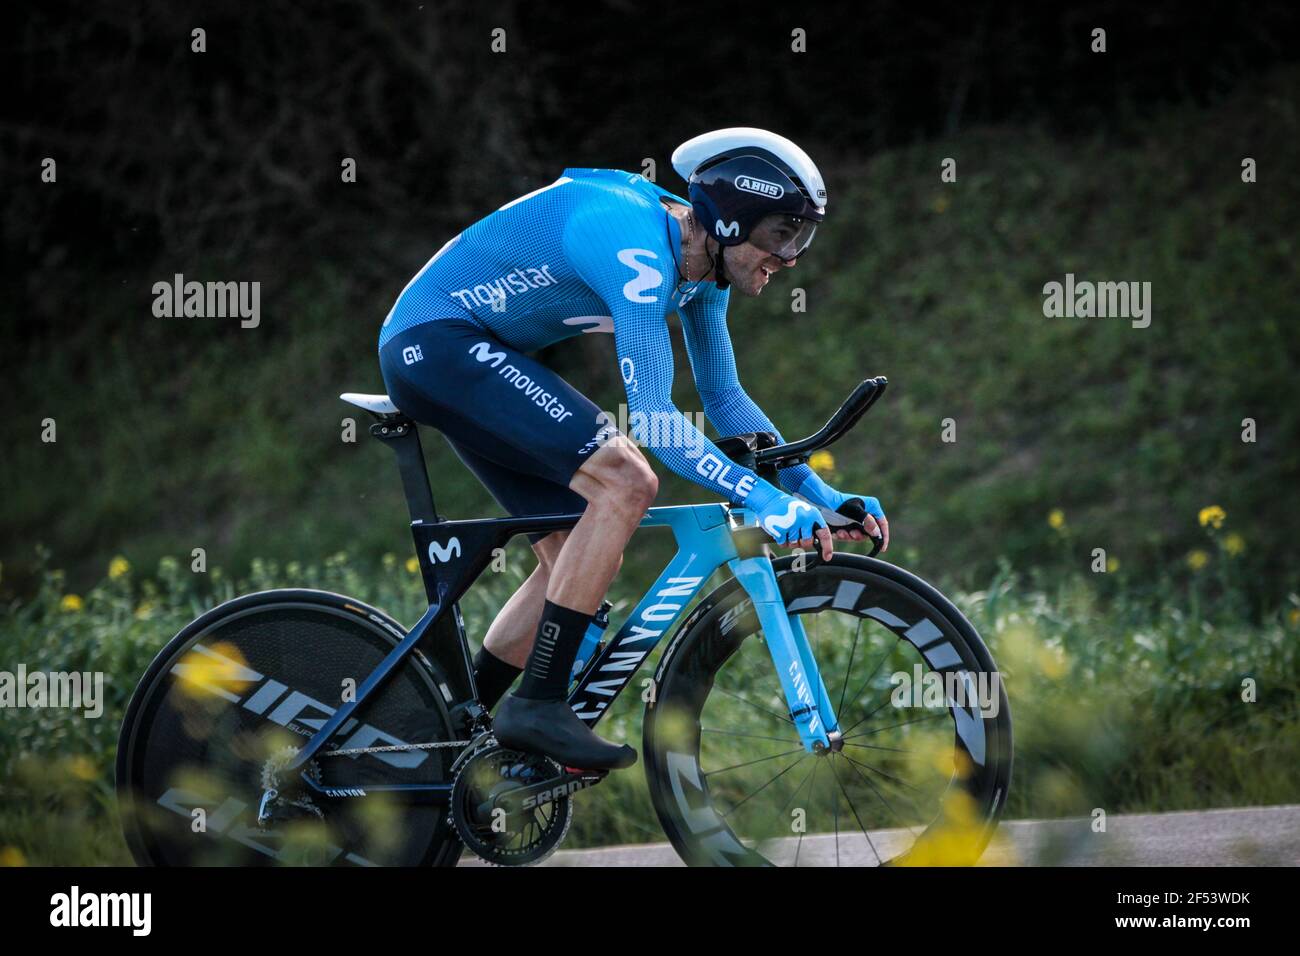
1123 699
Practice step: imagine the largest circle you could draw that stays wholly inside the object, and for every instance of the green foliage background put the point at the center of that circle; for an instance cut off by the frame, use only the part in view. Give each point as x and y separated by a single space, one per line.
177 434
184 433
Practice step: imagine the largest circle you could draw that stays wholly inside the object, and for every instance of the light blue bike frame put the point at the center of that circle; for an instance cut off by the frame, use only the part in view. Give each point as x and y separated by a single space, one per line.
707 539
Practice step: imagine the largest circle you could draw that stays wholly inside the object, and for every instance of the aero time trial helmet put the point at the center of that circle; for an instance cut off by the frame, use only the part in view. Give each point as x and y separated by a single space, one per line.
749 184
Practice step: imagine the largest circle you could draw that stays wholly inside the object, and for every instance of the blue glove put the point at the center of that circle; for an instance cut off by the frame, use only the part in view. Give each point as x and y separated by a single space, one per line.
818 492
787 519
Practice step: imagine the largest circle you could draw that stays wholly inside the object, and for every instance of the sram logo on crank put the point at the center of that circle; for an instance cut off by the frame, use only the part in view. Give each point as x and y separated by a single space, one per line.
511 808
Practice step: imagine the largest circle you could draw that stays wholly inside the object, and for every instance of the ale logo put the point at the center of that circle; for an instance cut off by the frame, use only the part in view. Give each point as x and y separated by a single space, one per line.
761 186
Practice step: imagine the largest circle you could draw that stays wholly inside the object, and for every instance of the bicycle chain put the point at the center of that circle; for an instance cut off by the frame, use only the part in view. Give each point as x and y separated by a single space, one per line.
394 748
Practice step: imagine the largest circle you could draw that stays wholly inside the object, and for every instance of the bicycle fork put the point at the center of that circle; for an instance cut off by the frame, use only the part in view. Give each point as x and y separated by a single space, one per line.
810 706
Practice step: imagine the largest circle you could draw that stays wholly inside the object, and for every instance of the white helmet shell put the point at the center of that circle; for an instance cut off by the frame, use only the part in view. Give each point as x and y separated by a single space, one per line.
689 156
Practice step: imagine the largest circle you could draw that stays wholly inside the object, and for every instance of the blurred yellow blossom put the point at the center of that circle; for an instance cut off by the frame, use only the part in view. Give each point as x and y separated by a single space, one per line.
412 565
1197 559
1112 564
1052 662
941 203
83 768
144 611
1294 616
70 602
1234 544
390 560
821 461
12 856
218 670
1211 517
1056 518
118 567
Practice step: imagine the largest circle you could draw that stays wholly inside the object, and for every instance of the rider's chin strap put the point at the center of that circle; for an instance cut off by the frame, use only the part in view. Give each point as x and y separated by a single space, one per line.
719 266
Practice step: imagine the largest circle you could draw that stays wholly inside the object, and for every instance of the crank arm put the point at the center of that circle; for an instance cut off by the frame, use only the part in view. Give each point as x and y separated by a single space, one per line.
539 794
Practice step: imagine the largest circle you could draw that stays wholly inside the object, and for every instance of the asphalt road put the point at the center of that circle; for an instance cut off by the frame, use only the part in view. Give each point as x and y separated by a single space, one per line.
1253 836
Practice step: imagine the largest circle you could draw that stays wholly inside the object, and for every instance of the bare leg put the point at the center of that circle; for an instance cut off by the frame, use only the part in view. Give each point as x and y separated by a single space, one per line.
619 486
511 635
578 577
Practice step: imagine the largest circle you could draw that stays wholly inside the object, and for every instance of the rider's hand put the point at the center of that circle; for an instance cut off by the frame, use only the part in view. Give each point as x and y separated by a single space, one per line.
861 508
790 521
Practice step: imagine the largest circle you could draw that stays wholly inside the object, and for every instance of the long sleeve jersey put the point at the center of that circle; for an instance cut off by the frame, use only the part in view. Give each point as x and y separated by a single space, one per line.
596 251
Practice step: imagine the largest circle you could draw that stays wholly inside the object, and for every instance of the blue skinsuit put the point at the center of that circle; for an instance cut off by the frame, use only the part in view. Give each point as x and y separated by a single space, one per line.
595 251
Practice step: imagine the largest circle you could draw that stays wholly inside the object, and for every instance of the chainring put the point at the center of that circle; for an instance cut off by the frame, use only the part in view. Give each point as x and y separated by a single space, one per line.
528 837
285 797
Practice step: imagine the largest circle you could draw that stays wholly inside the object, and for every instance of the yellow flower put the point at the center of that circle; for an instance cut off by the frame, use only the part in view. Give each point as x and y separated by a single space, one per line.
940 204
412 565
1112 564
217 670
83 768
118 567
12 856
1234 544
1056 518
1294 616
144 611
1197 559
822 461
1212 517
70 602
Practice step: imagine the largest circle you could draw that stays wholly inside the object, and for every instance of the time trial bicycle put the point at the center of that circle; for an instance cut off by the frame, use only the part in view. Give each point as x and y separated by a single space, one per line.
804 712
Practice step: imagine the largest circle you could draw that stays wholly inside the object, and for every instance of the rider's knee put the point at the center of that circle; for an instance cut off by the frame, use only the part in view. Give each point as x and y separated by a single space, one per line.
548 550
631 482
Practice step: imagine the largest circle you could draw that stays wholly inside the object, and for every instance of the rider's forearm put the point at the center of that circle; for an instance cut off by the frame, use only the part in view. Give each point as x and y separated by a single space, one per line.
686 450
733 412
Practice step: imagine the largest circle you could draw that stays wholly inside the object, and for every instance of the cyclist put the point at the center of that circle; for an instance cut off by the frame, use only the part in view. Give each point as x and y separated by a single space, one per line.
603 251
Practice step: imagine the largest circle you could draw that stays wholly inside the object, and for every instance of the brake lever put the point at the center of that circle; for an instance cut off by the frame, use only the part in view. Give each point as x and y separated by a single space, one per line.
838 522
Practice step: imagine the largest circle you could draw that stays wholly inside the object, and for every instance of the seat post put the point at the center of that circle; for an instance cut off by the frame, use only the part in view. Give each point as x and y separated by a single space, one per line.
401 435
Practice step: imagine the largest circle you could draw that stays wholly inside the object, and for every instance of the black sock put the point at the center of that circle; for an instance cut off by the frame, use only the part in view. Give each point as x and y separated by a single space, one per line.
559 635
492 677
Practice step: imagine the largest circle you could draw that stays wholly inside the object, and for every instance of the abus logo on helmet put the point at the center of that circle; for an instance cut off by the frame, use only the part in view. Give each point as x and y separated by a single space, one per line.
761 186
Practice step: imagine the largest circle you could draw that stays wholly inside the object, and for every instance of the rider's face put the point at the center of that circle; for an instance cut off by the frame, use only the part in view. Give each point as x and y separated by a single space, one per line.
748 267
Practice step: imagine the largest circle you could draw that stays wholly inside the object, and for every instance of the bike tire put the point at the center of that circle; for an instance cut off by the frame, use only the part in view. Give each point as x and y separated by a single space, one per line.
696 820
258 668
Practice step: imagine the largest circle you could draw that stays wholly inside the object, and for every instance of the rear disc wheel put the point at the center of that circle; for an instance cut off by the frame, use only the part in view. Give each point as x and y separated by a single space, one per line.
243 684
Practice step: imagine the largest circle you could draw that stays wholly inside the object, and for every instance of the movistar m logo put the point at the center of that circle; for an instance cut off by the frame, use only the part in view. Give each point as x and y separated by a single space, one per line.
727 229
783 521
483 352
647 277
439 552
761 186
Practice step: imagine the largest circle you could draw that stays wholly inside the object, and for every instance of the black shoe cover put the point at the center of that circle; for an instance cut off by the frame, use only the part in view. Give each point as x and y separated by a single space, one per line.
551 728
